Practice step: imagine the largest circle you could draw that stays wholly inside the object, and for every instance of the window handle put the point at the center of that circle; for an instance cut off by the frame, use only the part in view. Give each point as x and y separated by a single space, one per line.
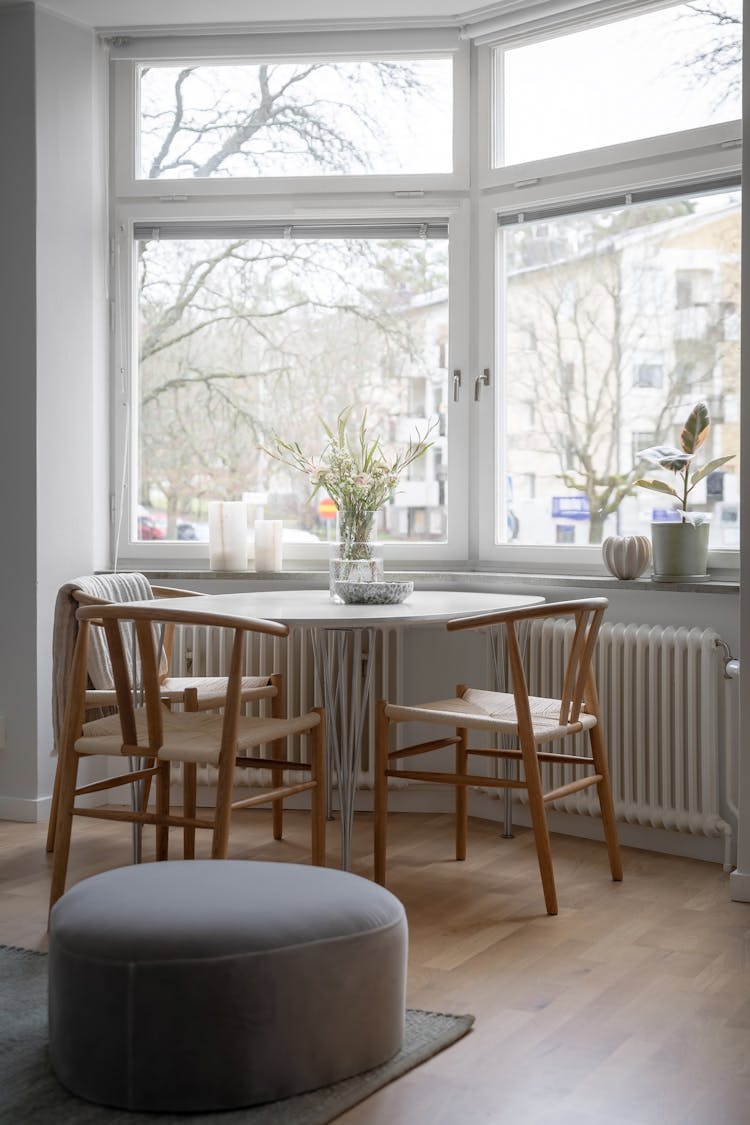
456 383
483 379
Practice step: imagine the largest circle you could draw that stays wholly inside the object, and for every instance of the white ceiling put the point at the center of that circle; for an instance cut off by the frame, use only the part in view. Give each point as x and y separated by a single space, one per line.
131 15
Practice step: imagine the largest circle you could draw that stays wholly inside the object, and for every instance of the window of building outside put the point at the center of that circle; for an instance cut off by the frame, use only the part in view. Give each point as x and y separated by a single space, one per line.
297 235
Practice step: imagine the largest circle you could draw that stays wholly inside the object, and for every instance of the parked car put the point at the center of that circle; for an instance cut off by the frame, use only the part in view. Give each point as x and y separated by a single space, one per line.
148 529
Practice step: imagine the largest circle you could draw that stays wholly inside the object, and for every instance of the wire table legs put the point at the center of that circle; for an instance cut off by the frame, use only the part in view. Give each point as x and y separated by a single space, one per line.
345 667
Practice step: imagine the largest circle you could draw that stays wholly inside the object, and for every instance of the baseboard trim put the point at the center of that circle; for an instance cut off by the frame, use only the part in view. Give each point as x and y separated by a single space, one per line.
440 799
26 810
739 886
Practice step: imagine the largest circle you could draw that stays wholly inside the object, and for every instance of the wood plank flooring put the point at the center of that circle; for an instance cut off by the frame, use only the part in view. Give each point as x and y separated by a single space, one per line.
631 1007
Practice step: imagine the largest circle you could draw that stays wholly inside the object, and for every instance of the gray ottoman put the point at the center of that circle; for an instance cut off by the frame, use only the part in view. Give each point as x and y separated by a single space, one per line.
215 984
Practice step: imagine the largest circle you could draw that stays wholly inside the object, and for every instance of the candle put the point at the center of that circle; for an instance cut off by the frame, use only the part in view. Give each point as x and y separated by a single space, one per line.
227 534
268 544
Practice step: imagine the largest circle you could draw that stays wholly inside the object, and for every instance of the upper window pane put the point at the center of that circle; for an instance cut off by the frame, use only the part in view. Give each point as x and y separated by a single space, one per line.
669 70
378 117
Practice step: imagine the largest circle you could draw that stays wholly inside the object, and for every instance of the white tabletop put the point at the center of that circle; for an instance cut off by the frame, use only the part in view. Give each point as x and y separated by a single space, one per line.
314 607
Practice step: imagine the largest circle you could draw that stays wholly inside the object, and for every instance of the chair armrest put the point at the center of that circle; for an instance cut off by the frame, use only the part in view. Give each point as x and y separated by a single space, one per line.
171 592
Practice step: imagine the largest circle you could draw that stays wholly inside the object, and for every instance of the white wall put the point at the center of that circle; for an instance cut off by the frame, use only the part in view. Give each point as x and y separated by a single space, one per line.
18 691
740 879
51 294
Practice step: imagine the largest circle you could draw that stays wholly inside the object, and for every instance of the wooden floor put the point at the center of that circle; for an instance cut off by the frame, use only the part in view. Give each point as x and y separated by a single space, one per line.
631 1007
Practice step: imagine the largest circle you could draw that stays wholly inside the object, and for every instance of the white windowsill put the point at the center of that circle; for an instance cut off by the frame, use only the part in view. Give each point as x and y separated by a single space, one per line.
723 583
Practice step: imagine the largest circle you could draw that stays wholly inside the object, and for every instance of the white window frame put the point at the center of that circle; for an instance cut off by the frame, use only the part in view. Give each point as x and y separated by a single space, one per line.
373 197
125 62
471 198
677 161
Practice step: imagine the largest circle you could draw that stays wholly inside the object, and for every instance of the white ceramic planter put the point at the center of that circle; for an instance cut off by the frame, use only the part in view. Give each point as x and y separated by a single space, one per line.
626 556
680 551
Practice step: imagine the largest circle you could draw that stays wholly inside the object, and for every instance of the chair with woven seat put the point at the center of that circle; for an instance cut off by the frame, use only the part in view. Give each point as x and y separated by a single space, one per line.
154 737
194 693
532 723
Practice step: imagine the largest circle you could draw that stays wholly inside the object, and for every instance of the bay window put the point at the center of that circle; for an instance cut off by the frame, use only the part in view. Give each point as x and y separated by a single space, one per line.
539 272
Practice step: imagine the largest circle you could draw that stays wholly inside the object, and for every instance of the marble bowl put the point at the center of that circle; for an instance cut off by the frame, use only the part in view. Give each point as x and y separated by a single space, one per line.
373 593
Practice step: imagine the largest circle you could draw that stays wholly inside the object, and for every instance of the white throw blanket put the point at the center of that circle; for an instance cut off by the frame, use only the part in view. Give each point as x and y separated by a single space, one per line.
129 587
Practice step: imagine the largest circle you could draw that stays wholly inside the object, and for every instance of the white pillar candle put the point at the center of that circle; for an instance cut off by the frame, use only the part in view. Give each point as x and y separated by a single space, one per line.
268 544
227 534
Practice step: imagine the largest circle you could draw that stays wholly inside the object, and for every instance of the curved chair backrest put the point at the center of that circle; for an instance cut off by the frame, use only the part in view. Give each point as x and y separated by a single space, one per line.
578 686
146 618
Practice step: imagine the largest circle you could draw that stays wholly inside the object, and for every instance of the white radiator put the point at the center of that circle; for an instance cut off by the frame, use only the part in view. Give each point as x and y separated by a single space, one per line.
669 713
669 717
205 651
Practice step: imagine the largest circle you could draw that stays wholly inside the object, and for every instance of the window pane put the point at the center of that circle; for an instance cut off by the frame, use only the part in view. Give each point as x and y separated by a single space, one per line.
296 119
612 373
241 339
669 70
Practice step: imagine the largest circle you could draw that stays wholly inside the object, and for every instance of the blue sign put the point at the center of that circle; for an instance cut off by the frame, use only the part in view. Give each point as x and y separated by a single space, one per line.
570 507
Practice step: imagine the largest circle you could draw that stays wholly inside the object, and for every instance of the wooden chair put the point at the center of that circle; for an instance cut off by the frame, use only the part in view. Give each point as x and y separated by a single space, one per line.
145 730
532 722
194 693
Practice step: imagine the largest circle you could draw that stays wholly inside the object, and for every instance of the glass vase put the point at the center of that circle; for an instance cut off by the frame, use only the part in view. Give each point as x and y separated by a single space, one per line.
356 554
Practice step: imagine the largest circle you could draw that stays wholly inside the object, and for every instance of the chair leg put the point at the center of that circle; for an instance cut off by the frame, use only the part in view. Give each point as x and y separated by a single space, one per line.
318 762
163 778
606 804
462 796
189 806
277 750
223 809
68 771
380 796
539 823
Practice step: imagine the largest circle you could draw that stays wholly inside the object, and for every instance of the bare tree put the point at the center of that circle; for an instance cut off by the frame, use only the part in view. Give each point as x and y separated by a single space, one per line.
718 65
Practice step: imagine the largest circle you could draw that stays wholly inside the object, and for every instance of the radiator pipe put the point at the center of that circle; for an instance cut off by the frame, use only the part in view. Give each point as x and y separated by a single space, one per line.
731 663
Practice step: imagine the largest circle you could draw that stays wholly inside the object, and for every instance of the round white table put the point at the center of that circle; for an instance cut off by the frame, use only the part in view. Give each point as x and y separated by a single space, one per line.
344 648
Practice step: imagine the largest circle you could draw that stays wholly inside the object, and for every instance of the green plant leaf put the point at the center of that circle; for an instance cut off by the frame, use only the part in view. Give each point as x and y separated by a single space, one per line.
711 467
666 457
657 486
695 430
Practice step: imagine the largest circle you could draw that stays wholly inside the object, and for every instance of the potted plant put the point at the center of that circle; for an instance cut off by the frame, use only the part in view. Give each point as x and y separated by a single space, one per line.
360 478
680 546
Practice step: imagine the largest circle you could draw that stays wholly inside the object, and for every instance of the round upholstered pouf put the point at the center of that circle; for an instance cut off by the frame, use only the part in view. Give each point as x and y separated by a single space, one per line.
209 985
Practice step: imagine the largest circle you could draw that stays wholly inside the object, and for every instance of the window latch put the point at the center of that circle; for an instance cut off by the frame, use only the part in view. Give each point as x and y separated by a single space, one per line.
483 379
456 383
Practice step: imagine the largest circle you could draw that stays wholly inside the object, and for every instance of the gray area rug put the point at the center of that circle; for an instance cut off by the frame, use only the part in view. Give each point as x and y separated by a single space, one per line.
30 1093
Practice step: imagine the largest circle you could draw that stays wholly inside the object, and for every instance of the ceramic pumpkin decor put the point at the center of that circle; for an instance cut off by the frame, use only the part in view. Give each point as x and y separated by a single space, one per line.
626 556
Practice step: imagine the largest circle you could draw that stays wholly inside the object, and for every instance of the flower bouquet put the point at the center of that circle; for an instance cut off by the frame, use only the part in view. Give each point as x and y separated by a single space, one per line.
360 478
